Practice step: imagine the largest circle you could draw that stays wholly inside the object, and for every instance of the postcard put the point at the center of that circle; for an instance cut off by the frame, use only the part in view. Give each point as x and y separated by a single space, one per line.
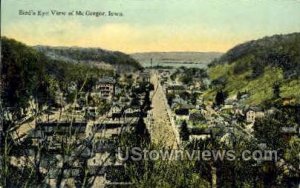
137 93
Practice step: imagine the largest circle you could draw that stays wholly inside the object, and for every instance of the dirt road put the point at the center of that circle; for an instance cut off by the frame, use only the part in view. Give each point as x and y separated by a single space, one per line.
161 130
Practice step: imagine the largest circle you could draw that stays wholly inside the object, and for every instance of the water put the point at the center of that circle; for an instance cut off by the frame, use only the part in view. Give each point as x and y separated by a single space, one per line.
176 65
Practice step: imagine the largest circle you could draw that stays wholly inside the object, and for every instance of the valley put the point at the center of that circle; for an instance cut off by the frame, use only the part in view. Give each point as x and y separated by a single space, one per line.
77 116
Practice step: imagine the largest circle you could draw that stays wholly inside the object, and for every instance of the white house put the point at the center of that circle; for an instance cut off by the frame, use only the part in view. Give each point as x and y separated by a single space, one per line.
254 113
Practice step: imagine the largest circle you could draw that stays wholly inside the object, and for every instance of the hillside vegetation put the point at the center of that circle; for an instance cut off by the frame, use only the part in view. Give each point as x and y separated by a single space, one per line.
96 56
256 67
28 73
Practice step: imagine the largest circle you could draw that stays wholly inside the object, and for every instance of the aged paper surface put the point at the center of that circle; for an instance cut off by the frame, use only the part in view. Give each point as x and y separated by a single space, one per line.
170 93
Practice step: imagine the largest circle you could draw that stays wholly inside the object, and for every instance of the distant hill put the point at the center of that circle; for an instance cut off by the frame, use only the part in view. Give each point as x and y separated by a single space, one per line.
96 56
257 66
176 57
279 50
27 72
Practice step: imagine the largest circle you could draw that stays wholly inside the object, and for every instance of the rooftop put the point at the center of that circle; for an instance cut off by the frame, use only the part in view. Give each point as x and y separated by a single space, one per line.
107 80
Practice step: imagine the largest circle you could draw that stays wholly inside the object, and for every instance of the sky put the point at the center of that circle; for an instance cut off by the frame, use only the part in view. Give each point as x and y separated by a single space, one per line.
156 25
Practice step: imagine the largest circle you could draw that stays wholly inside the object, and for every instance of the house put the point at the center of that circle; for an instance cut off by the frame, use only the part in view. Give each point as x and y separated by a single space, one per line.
227 108
199 137
72 87
238 111
206 82
184 110
59 98
196 116
144 76
231 100
197 83
62 127
254 113
7 113
165 75
175 89
54 134
91 112
106 87
288 101
178 101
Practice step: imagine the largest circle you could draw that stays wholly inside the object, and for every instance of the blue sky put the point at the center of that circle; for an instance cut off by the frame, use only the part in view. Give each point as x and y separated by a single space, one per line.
156 25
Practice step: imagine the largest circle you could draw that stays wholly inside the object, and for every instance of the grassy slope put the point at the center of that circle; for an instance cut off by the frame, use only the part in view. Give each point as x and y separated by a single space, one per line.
278 56
260 88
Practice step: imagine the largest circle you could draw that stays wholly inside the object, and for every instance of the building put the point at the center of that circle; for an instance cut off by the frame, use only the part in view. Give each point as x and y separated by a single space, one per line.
288 101
106 87
254 113
72 87
176 89
144 76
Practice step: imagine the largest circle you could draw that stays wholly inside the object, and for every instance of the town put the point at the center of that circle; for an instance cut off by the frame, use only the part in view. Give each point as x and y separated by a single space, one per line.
168 105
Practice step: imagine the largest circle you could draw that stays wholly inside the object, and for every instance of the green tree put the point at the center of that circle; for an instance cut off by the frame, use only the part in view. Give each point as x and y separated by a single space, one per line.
184 131
276 91
220 98
265 130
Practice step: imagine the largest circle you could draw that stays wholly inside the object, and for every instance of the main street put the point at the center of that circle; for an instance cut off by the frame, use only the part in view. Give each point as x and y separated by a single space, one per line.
161 130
